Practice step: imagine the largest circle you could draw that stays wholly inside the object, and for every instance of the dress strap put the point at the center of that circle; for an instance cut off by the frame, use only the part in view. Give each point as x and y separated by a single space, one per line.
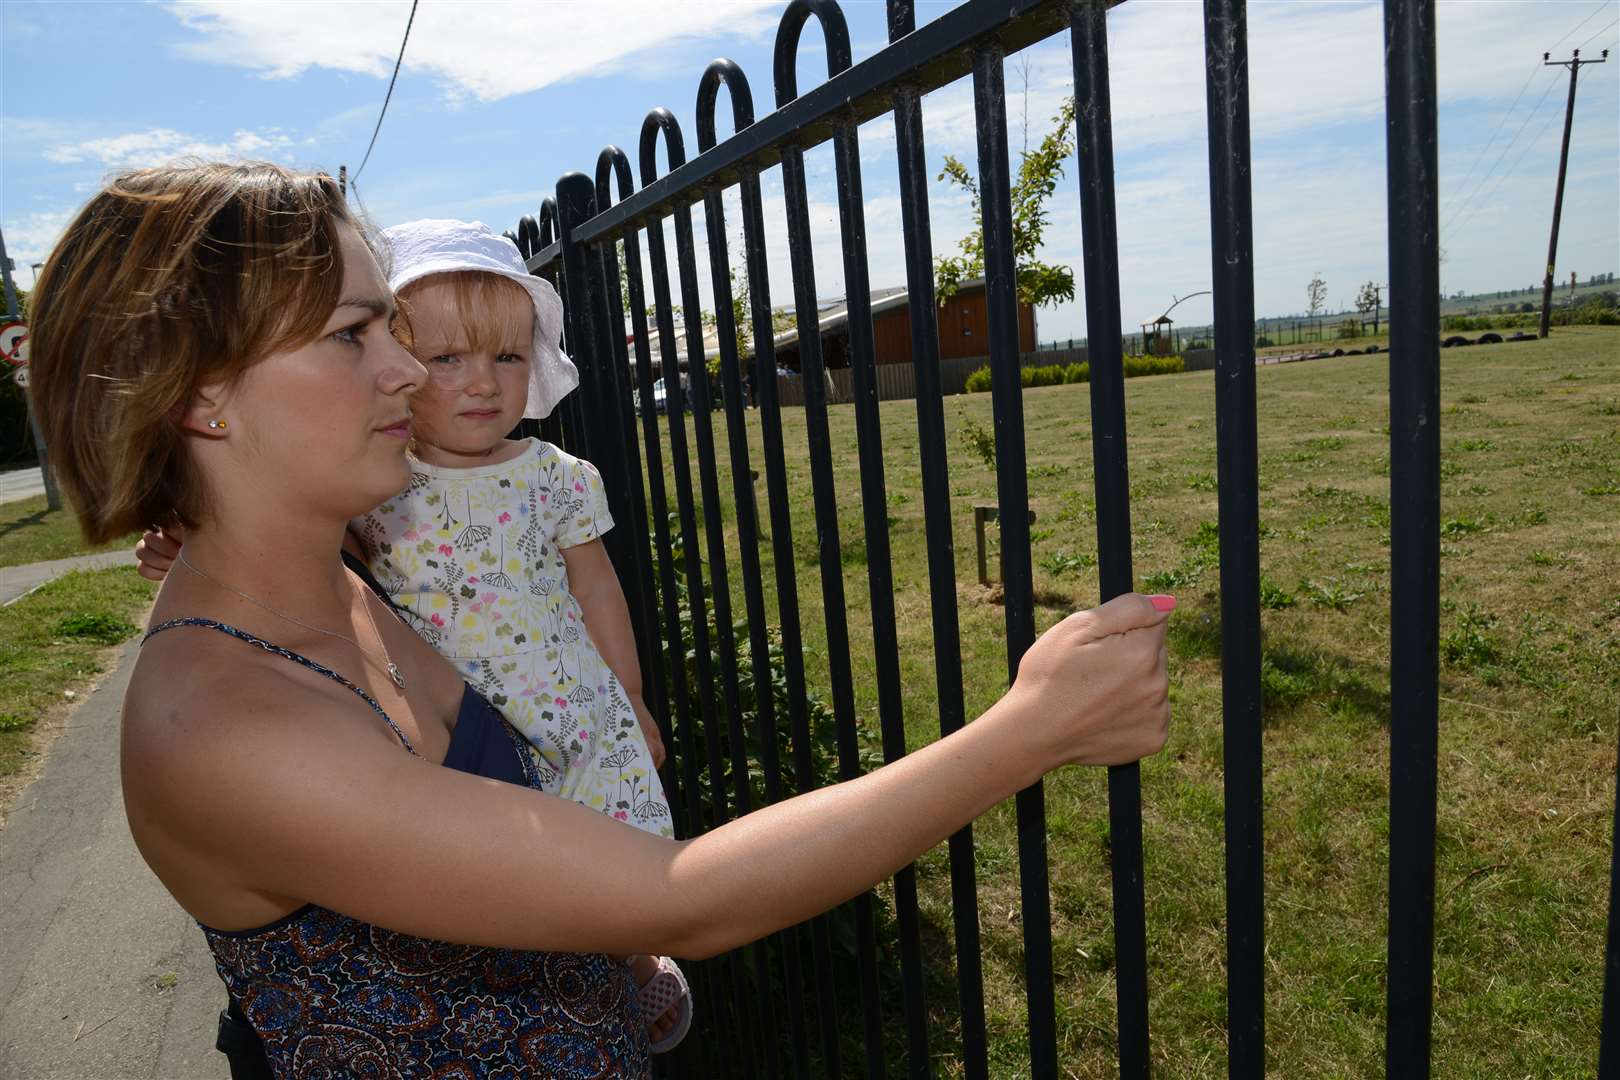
297 658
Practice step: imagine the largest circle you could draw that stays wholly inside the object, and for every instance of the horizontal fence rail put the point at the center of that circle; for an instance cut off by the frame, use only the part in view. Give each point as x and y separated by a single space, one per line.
736 704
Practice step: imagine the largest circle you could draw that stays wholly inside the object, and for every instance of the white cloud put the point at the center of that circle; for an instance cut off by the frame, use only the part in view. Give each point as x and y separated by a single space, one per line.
32 238
140 148
484 51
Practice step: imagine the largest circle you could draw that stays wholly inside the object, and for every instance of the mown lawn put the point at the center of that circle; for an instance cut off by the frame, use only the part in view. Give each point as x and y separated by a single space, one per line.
1530 693
55 640
31 532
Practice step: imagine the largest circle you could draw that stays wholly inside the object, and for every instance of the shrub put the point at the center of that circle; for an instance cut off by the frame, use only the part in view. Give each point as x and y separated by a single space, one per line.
979 381
1350 328
981 441
98 627
1077 373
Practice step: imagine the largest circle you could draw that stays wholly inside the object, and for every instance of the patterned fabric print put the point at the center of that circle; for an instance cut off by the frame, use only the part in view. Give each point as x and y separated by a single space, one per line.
334 997
474 559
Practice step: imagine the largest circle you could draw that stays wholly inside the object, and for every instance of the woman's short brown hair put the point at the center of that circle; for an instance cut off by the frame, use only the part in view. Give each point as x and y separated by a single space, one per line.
168 280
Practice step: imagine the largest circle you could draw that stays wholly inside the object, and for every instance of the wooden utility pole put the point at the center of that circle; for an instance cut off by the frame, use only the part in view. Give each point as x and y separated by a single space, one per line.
343 180
1574 63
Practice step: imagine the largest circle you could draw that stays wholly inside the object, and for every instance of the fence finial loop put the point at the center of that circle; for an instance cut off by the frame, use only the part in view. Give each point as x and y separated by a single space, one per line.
550 224
742 99
833 26
610 163
660 119
528 236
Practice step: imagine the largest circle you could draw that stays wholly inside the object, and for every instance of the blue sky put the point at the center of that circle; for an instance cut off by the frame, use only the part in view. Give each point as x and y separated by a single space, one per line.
496 100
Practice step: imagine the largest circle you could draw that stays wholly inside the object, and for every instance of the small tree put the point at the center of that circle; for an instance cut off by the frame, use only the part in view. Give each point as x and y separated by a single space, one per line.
1039 171
1367 302
1316 293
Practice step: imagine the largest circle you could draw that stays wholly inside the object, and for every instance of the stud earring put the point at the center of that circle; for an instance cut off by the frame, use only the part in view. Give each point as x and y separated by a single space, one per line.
216 425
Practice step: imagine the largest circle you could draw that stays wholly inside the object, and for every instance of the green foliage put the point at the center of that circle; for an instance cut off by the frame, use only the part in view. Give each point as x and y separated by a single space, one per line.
15 722
1274 597
981 441
1328 594
1470 645
1349 328
1067 562
1060 374
96 626
1039 171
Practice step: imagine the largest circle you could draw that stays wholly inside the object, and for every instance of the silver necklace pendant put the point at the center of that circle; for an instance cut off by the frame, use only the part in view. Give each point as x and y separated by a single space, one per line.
393 673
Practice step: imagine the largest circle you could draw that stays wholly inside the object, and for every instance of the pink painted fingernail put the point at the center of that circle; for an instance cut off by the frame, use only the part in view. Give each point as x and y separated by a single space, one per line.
1161 602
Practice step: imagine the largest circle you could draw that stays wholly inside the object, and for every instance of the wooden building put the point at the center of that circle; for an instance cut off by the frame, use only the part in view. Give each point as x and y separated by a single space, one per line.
964 329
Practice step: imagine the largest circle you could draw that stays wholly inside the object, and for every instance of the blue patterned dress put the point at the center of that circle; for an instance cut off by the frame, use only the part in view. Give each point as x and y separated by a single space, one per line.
331 996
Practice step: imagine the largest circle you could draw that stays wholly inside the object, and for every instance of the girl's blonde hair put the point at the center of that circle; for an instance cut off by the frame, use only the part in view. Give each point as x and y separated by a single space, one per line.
168 280
490 312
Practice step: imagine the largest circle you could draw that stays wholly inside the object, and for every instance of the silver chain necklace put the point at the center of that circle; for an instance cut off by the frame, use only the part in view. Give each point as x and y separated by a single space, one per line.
386 663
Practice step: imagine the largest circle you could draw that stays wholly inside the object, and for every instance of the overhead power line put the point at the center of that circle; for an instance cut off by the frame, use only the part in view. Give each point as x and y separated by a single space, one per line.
1463 204
388 96
1600 33
1572 30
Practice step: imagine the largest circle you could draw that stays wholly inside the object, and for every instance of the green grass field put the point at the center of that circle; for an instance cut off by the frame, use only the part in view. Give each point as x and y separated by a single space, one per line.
56 639
1530 693
31 532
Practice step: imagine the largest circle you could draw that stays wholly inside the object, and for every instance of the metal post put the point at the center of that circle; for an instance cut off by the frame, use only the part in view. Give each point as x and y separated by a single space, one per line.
1574 64
53 497
1414 424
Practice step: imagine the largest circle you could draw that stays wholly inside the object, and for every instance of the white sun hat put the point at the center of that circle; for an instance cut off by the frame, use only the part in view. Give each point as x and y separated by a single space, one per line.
418 249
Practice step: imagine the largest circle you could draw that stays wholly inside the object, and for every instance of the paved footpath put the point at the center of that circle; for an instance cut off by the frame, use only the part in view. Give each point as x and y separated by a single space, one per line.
18 581
102 976
21 484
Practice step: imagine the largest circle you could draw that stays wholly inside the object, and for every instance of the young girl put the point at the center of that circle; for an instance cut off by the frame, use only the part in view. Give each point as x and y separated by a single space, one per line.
493 552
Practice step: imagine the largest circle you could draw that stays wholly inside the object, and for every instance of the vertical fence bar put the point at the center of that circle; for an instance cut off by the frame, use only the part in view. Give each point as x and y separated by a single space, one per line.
1100 254
913 163
784 570
820 445
879 568
1231 217
612 164
1414 424
1609 1046
661 120
742 487
759 290
1012 487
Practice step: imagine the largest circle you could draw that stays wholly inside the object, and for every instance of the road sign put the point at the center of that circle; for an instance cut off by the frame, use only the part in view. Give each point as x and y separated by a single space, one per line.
20 376
14 343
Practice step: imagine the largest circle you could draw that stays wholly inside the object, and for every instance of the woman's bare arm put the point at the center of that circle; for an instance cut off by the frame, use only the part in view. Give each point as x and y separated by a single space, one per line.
280 802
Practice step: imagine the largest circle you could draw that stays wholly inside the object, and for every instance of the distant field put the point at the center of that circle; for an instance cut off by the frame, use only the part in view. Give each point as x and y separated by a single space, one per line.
1530 696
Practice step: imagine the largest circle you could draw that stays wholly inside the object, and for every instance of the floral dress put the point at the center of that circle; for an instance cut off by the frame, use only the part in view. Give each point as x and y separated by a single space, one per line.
474 559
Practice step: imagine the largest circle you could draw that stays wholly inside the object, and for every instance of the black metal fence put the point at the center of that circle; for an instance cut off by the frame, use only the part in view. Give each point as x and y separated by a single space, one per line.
784 1007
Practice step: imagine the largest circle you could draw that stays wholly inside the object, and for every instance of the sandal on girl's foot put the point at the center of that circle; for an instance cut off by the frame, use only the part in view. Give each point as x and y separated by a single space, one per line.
666 988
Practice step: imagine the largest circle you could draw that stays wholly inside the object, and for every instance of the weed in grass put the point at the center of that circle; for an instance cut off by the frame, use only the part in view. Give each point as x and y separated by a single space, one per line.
1342 423
1472 445
1470 645
1281 689
1195 634
1609 408
897 498
1452 528
1078 507
1329 442
1274 597
1067 562
1449 468
1039 472
1543 558
1602 489
1527 517
98 626
1169 580
1329 594
15 722
1037 535
1201 481
1523 392
1471 399
1571 376
981 442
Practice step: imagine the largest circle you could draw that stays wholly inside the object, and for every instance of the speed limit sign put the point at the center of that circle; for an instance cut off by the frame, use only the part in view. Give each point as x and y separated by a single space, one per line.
14 343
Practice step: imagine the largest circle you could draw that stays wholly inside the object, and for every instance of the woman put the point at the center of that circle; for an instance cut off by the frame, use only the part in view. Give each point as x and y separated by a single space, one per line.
380 883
